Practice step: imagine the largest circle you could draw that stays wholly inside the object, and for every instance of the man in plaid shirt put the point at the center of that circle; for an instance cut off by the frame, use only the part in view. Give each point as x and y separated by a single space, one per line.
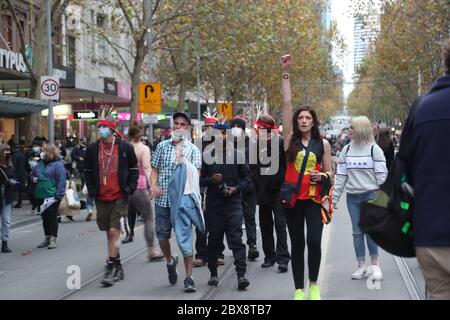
163 166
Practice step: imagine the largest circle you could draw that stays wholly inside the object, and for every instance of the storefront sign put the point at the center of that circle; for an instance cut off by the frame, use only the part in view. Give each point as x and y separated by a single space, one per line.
86 115
66 75
110 87
123 90
126 116
150 118
69 117
12 60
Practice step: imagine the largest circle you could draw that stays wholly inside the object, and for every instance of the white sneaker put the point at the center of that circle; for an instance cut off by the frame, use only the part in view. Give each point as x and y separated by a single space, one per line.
375 272
360 273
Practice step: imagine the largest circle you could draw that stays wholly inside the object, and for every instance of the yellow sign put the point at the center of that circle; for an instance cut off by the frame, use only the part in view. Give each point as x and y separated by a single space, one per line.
150 97
226 109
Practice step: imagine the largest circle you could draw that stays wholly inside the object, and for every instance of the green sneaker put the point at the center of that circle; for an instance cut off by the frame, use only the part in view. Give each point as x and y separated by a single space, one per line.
299 295
314 292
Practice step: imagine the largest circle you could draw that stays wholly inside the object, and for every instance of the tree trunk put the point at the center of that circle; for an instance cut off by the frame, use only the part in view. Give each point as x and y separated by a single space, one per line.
181 95
33 123
136 78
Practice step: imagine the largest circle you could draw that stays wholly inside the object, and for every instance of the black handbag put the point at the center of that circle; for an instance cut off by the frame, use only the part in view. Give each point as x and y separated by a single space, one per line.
388 217
289 191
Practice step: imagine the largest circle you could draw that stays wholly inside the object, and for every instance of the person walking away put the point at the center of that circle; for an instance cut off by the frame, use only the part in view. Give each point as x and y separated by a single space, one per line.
19 163
386 144
140 200
111 173
431 216
32 161
78 155
249 194
268 185
301 136
163 167
50 178
8 186
361 171
225 181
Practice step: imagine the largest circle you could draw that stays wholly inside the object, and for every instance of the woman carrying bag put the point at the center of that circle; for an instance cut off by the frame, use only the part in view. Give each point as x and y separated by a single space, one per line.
50 178
308 166
8 186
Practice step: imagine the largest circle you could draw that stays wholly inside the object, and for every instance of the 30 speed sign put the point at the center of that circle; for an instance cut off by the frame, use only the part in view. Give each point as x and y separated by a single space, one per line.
49 88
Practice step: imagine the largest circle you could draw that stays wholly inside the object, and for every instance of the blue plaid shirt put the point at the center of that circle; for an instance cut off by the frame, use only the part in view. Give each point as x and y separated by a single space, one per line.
164 160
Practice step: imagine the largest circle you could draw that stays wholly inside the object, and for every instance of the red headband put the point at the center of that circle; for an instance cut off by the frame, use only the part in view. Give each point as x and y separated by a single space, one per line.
107 123
265 125
211 121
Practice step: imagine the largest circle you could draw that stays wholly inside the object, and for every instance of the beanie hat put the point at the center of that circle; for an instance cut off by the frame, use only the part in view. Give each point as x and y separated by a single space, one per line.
238 121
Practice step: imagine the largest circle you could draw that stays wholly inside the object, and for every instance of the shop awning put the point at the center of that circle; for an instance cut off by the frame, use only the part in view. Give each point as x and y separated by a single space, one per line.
12 107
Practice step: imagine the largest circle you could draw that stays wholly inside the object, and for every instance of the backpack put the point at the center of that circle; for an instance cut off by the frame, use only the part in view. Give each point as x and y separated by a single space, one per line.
387 219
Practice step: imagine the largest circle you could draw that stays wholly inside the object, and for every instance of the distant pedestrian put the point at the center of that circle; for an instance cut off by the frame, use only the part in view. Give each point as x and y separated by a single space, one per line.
8 185
361 170
32 161
428 164
238 126
111 172
140 200
386 144
163 167
19 162
301 137
50 178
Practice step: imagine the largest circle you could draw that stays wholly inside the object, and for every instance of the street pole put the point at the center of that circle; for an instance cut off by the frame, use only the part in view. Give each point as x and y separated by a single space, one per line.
148 5
198 78
51 120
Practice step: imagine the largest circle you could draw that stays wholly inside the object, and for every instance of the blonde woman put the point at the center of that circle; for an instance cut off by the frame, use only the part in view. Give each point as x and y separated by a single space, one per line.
50 178
361 170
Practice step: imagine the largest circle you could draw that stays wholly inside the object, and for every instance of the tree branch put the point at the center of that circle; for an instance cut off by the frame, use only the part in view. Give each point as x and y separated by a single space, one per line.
117 51
128 18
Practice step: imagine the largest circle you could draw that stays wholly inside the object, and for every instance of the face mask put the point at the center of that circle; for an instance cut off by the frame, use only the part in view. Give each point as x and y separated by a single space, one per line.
35 149
177 137
236 132
338 154
42 155
104 132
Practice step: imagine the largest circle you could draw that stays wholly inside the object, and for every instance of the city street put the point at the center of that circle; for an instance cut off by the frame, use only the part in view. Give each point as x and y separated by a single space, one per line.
42 274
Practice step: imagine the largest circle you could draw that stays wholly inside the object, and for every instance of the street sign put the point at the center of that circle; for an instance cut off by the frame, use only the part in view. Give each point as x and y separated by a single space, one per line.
226 109
150 97
49 88
149 118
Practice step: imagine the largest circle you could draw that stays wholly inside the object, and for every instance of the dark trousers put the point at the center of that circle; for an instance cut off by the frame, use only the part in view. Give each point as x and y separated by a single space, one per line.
131 220
279 255
309 211
201 247
249 207
50 220
19 198
226 221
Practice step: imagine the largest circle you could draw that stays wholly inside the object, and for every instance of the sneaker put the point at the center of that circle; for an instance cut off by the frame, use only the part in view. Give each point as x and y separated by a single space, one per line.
213 281
118 273
45 243
314 292
283 268
375 272
108 277
243 283
253 253
299 295
360 273
172 270
189 285
267 264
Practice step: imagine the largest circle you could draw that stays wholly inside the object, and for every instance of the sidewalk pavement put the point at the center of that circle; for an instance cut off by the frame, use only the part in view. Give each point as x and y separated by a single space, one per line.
23 216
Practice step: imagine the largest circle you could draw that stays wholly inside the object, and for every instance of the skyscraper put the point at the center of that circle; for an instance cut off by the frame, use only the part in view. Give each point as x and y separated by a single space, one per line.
364 33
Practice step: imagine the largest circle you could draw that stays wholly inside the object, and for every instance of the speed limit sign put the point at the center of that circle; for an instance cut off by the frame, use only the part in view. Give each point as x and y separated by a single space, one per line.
49 88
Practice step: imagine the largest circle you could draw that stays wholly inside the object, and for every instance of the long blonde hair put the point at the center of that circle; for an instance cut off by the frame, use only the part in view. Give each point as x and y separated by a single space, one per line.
362 131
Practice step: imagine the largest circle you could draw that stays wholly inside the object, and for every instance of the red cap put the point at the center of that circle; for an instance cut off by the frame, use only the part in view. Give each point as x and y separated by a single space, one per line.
211 120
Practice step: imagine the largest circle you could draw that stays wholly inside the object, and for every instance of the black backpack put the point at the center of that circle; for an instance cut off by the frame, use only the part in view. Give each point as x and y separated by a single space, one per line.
387 219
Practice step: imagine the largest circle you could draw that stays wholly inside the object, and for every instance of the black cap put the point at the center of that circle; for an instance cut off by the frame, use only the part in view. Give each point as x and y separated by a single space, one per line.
182 114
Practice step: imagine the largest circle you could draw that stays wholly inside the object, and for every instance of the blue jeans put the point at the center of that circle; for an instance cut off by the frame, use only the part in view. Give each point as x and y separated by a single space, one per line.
183 225
5 213
354 208
163 226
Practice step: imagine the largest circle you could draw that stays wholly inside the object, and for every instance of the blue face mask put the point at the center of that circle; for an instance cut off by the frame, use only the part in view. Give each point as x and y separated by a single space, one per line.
104 132
35 149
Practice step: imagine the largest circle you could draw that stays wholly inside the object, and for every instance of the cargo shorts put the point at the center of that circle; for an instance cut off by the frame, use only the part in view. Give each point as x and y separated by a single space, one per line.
110 213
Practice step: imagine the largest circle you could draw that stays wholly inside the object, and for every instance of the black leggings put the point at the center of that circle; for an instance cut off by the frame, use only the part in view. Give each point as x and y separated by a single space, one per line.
309 210
50 220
